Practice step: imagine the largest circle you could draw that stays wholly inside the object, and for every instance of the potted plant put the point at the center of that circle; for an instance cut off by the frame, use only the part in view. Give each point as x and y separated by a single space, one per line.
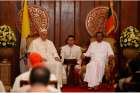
130 42
7 42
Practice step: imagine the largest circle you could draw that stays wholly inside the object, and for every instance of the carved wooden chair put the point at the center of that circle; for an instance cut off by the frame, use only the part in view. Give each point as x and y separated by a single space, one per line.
38 20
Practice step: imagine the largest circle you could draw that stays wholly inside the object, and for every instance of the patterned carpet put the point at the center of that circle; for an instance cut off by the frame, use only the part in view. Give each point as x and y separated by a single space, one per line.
102 88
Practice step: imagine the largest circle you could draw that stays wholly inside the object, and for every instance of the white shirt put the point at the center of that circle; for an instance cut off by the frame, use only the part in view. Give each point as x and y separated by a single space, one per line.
25 76
45 48
99 51
71 52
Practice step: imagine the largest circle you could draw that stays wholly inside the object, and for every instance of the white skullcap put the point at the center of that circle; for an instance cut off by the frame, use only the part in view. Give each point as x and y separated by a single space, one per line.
43 30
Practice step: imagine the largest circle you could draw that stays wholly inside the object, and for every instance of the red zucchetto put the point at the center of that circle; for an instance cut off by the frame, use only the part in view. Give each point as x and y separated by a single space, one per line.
35 59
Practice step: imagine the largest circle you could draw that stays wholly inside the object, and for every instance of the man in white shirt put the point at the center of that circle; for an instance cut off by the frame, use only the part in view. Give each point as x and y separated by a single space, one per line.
100 53
39 81
73 52
49 53
34 59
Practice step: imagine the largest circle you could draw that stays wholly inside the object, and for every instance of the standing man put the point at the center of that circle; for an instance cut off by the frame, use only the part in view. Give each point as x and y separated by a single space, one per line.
71 53
100 53
49 53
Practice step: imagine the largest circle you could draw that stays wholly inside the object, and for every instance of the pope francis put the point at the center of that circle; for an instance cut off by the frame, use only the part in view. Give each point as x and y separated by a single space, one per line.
49 53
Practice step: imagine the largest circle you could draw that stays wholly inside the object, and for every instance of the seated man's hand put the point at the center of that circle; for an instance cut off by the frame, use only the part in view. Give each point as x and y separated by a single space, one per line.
57 59
111 57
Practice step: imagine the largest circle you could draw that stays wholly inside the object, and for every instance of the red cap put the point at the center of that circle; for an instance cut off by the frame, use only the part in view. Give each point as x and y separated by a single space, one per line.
35 59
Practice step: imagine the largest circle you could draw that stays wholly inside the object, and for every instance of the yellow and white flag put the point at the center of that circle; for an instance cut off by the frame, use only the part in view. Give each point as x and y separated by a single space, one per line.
24 34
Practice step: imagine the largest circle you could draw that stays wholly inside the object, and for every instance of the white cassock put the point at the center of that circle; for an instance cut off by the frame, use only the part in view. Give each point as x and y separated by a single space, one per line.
48 51
25 76
99 53
73 52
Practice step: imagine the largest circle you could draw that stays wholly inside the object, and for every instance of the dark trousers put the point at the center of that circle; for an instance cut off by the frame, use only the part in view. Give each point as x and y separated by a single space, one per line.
72 75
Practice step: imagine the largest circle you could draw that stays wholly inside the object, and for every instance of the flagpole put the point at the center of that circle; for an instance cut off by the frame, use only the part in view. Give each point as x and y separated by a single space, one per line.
24 34
110 19
111 6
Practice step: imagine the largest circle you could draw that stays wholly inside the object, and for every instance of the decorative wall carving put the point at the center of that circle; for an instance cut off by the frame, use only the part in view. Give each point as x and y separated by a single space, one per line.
96 19
38 18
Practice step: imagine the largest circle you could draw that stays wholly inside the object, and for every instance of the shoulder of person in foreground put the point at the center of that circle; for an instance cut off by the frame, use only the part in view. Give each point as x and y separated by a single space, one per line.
23 76
52 89
23 89
26 88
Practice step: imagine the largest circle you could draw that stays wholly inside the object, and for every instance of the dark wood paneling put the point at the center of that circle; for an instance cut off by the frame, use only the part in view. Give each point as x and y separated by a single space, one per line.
67 20
128 14
138 9
77 21
8 13
57 24
85 8
101 3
